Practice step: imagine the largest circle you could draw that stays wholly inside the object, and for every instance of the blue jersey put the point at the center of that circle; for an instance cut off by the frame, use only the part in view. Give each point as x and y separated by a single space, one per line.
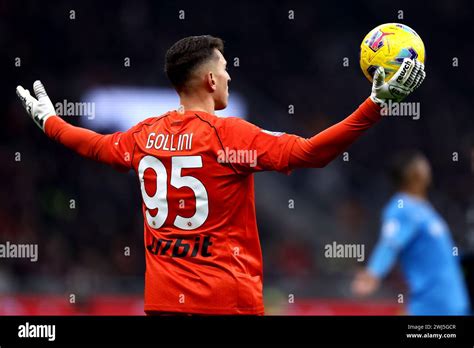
417 235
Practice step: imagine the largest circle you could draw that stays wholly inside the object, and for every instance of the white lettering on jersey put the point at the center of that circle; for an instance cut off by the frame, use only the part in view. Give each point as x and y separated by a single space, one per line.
170 142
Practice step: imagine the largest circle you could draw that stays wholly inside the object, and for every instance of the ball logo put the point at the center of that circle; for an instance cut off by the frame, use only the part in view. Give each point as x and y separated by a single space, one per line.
376 42
406 53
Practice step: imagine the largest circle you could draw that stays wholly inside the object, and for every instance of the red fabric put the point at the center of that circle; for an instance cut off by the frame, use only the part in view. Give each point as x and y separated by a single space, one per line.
201 239
113 149
322 148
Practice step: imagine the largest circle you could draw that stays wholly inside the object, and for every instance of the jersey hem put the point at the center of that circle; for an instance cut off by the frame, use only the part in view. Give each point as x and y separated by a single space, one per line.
207 310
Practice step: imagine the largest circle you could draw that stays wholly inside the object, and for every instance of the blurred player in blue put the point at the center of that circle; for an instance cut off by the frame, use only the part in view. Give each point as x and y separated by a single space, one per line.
414 233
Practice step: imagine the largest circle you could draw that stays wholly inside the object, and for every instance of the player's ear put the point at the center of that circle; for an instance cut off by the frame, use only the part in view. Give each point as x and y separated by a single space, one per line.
211 81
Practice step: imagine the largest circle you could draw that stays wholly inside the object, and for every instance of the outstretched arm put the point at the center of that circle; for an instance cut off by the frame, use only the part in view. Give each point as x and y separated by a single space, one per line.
102 148
397 232
284 152
382 260
112 149
321 149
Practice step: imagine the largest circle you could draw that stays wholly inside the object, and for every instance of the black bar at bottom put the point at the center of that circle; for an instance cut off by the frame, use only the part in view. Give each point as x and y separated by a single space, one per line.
139 331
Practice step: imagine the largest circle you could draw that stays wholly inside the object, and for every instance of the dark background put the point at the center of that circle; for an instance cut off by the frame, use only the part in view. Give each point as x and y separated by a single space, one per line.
282 62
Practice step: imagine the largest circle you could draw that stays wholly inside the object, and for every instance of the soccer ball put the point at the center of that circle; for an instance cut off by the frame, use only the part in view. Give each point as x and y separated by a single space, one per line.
386 46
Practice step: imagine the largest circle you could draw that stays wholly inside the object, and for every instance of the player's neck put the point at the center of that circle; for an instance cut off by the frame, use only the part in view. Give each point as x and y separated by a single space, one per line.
197 103
418 193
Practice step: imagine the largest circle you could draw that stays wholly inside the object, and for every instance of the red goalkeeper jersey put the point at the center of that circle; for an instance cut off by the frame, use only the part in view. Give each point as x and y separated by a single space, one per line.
195 170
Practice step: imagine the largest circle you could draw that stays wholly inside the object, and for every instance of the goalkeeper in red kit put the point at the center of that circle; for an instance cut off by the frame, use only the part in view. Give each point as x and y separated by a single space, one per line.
198 200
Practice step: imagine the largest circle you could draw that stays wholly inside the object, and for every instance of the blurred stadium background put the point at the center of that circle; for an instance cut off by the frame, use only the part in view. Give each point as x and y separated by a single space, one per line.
281 62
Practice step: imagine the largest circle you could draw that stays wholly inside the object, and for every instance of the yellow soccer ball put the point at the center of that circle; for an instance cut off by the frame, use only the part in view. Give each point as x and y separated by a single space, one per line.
386 46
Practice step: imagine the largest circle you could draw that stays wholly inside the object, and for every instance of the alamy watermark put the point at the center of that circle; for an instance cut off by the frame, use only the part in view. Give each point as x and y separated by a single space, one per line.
345 251
405 109
68 108
28 330
19 251
228 155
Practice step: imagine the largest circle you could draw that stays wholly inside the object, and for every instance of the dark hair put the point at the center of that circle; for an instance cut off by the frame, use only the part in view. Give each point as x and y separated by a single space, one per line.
187 54
399 165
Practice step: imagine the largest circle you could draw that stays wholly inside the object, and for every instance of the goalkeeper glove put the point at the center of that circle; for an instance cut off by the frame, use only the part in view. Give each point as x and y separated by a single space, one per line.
409 77
39 109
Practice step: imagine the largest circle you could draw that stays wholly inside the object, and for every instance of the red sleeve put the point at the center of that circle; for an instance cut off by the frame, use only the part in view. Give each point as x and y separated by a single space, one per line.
249 149
114 149
321 149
